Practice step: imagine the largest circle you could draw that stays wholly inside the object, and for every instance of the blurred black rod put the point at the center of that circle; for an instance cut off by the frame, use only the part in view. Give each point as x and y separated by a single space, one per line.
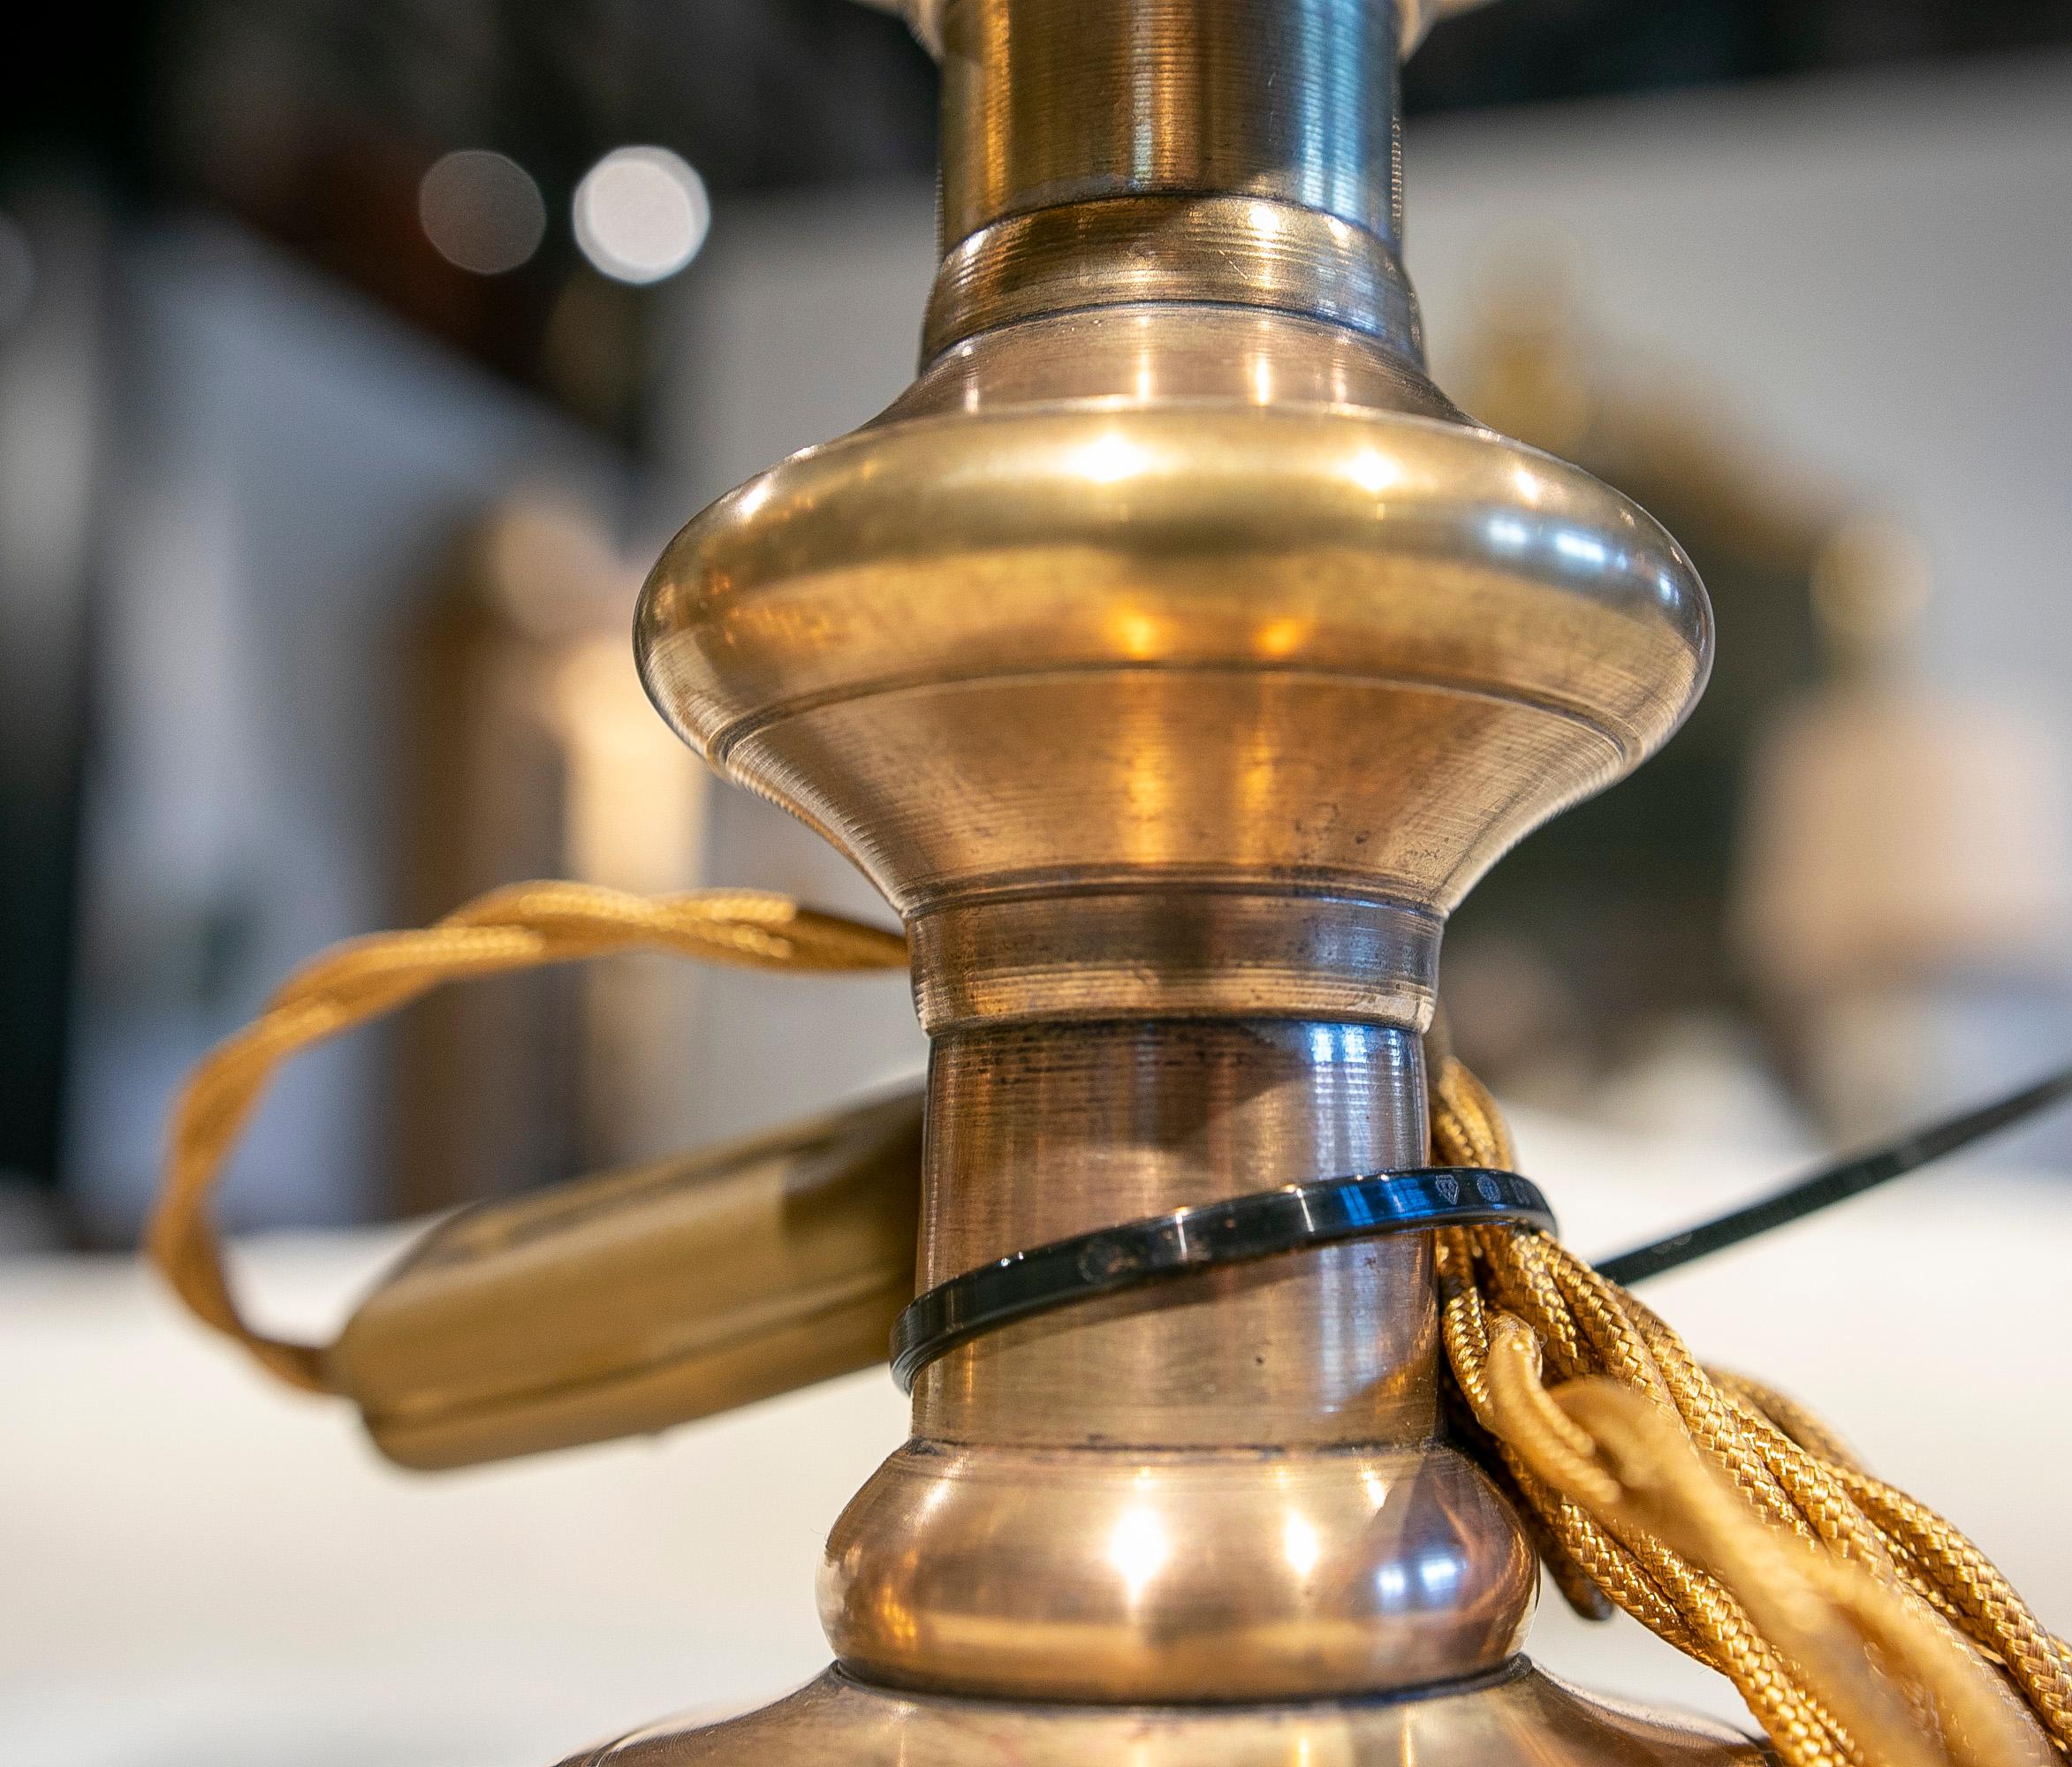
1838 1183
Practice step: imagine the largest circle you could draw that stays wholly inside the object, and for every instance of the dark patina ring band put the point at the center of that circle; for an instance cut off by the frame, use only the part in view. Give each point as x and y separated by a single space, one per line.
1264 1224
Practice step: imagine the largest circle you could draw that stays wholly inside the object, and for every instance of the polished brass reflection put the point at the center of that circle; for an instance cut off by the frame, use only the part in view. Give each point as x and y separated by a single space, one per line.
1174 657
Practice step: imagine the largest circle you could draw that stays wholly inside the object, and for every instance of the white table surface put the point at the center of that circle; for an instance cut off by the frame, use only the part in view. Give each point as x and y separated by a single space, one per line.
200 1570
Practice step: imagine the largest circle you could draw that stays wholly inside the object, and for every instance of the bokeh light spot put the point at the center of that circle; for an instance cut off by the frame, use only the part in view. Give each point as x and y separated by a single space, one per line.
641 214
481 210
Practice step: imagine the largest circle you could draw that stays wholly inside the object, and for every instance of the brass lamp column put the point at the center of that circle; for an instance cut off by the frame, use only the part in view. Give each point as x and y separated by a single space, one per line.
1174 657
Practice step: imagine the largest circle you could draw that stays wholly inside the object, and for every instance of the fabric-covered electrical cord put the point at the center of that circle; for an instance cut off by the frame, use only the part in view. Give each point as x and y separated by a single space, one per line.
525 926
1862 1630
1839 1183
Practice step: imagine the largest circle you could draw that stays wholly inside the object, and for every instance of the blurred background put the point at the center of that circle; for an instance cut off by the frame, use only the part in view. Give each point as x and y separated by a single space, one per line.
356 355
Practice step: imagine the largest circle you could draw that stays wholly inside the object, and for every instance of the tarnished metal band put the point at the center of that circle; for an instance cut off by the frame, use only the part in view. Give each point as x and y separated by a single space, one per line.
1267 1224
1227 250
1173 951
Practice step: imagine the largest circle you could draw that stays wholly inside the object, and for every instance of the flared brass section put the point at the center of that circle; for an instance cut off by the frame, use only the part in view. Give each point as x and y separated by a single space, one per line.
1146 353
1306 648
1517 1717
1140 1576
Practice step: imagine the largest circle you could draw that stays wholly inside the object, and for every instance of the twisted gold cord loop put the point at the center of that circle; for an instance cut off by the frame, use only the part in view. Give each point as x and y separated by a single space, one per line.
1862 1630
525 926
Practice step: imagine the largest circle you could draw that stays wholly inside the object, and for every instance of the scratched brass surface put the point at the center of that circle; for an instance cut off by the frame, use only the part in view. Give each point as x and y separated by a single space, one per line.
1044 1131
1174 657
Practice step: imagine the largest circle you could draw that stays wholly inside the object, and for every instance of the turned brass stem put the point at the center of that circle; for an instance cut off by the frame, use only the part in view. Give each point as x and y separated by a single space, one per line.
1174 657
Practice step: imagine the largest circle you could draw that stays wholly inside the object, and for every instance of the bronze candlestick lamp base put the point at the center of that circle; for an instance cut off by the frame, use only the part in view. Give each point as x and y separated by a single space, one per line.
1174 657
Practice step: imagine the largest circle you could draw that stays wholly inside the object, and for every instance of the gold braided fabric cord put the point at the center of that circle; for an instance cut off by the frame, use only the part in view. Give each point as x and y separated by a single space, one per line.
1862 1630
524 926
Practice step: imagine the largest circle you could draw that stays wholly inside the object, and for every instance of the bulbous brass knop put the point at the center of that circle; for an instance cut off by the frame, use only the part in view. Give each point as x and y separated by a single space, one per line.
1174 657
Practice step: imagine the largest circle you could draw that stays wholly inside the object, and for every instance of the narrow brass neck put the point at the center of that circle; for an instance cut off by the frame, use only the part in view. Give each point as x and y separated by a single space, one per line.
1053 101
1230 152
